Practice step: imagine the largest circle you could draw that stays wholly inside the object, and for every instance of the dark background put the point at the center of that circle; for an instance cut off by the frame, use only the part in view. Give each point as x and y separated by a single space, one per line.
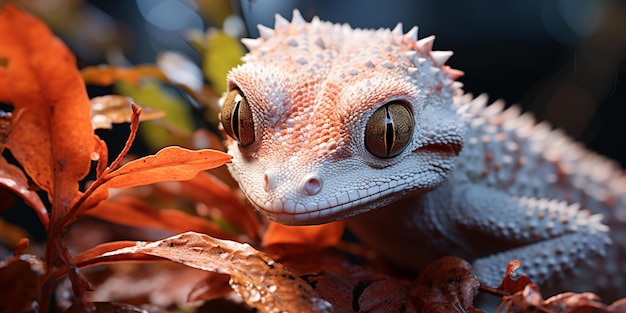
563 60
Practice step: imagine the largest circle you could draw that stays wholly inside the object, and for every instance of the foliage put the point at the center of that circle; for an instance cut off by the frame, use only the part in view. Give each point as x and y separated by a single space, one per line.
88 261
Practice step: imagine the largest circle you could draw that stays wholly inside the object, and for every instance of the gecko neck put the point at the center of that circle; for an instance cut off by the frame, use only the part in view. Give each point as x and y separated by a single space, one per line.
390 230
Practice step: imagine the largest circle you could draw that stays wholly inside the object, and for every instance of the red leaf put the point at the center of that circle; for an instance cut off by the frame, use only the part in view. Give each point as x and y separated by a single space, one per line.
135 213
18 283
53 139
511 282
12 178
168 164
313 236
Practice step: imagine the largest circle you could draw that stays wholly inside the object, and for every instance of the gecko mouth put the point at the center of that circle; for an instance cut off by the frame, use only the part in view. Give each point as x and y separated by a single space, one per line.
294 212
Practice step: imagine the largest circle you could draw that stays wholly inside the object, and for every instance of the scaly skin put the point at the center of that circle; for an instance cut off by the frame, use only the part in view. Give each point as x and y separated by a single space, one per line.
434 173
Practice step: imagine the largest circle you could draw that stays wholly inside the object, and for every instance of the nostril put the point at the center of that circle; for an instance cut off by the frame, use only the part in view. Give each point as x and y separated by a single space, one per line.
266 182
313 185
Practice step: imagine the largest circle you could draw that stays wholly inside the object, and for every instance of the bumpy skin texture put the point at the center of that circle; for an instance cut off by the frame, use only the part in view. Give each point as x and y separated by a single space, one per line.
476 181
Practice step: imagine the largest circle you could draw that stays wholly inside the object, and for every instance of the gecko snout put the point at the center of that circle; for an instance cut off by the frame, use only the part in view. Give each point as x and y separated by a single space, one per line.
311 184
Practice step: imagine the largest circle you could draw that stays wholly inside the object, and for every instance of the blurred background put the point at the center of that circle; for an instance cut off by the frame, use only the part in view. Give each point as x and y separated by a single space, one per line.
563 60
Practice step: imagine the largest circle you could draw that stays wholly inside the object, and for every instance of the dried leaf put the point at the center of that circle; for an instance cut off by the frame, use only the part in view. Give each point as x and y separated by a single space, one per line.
169 164
447 285
299 259
618 306
512 283
95 256
259 280
12 178
135 213
164 284
336 290
363 291
7 120
19 288
347 286
525 300
111 307
114 109
213 286
385 295
573 302
529 300
105 75
7 200
53 139
313 236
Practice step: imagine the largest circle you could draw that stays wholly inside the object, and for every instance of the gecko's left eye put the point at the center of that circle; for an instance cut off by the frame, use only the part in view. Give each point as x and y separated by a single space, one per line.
236 117
389 130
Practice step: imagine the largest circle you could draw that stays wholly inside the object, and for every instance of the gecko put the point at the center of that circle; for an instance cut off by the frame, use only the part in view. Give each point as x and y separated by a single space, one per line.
327 122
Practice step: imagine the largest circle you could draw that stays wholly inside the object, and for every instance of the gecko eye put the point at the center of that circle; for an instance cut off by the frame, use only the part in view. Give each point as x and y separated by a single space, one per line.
389 130
236 117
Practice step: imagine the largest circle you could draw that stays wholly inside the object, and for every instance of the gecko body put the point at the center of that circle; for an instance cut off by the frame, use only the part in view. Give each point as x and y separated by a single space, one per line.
327 122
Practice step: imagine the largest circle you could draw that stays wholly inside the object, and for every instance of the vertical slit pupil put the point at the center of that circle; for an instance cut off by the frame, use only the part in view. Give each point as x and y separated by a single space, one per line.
235 119
389 135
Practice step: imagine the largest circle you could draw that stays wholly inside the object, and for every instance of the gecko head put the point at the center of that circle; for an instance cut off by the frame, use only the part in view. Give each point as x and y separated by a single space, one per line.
326 122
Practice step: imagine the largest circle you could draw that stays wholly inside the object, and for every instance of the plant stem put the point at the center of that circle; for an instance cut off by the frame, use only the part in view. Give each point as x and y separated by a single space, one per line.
76 208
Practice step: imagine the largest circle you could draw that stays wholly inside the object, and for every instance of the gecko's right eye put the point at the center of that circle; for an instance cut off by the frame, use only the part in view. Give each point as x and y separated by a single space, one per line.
236 117
388 131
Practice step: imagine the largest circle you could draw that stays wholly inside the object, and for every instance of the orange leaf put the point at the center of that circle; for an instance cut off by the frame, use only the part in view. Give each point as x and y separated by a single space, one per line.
4 81
135 213
53 139
113 109
261 282
314 236
101 155
99 254
105 75
168 164
12 178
